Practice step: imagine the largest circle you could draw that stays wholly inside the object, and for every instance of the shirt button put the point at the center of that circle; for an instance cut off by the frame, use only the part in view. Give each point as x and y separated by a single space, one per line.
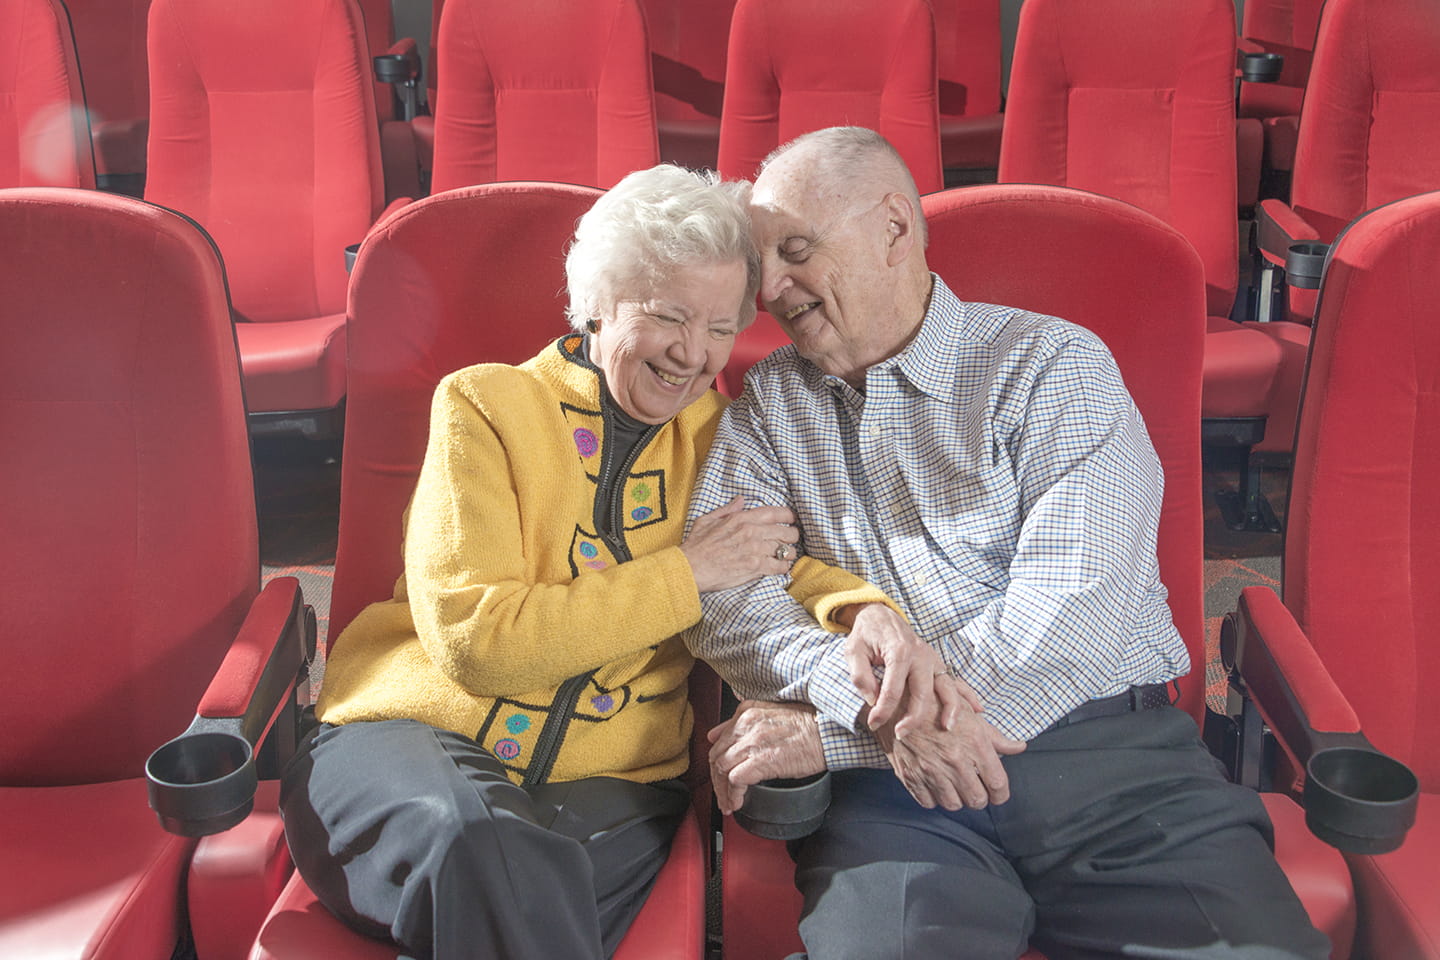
897 509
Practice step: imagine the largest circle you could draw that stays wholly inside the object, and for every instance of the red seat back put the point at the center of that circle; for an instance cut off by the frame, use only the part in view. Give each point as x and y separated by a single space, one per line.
126 498
262 128
543 90
1286 27
801 65
1135 282
110 38
967 45
477 274
1362 546
688 43
44 133
1370 124
1133 99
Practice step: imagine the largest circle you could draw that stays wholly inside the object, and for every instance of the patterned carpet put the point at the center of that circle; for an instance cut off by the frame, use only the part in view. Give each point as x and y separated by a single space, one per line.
298 487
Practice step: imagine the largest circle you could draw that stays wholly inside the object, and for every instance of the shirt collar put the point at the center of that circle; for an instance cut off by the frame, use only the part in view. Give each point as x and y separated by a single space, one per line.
928 361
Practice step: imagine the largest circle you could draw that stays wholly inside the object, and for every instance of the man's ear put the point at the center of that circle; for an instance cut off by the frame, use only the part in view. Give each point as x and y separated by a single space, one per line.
900 233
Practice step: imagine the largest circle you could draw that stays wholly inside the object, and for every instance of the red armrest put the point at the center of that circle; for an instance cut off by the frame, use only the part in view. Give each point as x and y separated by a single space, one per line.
1356 798
1278 227
203 781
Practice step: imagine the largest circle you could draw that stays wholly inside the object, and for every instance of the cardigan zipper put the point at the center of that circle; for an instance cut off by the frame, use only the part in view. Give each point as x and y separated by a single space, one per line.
614 538
547 745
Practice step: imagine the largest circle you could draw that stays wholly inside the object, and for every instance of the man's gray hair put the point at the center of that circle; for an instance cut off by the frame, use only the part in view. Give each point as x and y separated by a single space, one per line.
650 224
856 154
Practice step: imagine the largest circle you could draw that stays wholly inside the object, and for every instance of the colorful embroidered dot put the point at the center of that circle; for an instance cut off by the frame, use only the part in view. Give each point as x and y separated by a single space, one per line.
586 442
588 550
641 513
517 723
507 749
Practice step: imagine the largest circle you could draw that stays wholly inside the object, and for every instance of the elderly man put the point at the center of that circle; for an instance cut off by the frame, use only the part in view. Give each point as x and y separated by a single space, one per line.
1007 766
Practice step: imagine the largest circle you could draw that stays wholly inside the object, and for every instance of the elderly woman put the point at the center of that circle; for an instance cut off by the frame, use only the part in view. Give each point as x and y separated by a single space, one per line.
496 769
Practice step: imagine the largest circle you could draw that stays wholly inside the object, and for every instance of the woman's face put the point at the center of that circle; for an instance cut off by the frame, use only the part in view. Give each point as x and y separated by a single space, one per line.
662 351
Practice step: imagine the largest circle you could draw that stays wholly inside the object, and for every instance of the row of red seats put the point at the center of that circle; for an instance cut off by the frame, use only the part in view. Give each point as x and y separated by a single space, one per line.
1120 97
132 568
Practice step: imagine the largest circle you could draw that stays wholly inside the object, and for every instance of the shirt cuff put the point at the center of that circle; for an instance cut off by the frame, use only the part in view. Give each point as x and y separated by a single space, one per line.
832 692
845 750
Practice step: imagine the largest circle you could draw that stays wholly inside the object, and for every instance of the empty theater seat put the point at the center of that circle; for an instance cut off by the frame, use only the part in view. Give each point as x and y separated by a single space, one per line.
532 92
130 556
1135 100
1360 553
1369 134
110 38
263 129
44 134
801 65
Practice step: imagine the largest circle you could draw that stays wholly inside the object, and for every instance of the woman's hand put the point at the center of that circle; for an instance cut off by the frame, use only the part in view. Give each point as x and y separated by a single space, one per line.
731 546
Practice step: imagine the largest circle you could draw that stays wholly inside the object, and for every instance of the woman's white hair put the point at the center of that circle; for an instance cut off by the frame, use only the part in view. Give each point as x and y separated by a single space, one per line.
650 224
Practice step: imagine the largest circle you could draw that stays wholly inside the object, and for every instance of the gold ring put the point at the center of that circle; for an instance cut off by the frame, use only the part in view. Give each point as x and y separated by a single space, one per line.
782 552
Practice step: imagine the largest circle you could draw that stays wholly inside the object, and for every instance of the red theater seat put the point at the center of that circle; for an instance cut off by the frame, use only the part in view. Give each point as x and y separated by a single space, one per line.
1286 28
687 58
110 38
1360 555
985 241
130 558
472 275
44 134
801 65
1135 100
1369 134
263 129
543 90
967 47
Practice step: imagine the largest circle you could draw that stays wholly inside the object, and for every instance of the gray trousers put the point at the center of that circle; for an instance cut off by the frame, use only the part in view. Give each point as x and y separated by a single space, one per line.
415 834
1122 838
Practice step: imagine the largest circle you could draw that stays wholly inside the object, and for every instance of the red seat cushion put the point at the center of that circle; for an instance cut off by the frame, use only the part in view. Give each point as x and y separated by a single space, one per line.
88 873
1399 892
293 364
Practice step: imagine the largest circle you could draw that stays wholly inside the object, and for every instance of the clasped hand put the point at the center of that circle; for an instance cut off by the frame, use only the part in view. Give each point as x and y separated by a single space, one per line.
763 740
731 545
930 724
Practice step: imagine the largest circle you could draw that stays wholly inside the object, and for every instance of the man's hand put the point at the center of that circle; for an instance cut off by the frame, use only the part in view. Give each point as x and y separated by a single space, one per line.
763 741
915 676
950 768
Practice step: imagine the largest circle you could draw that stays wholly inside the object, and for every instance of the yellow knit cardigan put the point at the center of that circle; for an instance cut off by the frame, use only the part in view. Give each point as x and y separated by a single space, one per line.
515 622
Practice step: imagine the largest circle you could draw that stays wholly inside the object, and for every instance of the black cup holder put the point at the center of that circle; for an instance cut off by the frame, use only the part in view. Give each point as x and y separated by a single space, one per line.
785 809
1359 800
1305 264
202 783
1261 67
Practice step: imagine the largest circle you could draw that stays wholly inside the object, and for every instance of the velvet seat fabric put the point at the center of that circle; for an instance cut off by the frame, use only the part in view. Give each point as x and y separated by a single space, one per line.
1360 550
263 129
131 555
44 132
547 90
868 63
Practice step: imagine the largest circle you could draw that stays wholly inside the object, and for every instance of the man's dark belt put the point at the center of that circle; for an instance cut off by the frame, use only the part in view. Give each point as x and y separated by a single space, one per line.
1149 696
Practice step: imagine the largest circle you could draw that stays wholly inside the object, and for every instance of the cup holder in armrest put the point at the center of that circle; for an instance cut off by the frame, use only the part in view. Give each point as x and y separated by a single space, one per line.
1359 800
1261 67
785 809
1305 264
202 782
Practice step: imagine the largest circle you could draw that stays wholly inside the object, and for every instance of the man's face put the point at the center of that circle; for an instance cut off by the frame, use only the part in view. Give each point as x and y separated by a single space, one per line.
824 272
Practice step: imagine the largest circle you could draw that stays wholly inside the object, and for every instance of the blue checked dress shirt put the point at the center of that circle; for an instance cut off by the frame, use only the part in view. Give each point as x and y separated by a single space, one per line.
994 479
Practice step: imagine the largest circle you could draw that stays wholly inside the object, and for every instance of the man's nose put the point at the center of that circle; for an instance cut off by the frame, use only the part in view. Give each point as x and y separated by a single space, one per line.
774 281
